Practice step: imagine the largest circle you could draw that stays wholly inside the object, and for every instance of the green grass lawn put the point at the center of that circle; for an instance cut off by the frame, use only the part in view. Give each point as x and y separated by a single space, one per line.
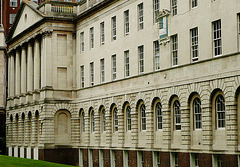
7 161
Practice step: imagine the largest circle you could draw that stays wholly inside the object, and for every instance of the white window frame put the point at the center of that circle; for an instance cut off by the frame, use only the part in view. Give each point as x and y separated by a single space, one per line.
156 55
102 33
82 41
156 7
91 34
194 43
220 112
140 16
126 23
156 158
115 119
91 73
92 121
174 49
13 3
174 7
194 4
114 28
141 59
127 63
177 115
217 38
143 118
158 110
11 18
197 113
102 70
128 119
114 67
82 75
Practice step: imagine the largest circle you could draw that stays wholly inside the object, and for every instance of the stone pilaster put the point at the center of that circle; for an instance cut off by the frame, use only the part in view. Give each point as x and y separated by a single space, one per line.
134 116
121 131
166 126
23 71
18 74
185 126
29 68
108 126
36 65
87 128
149 125
97 126
207 126
12 75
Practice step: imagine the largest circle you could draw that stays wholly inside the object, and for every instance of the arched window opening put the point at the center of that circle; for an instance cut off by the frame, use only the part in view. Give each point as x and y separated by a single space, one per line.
128 114
197 113
220 111
93 121
83 121
158 110
143 117
115 119
103 120
177 115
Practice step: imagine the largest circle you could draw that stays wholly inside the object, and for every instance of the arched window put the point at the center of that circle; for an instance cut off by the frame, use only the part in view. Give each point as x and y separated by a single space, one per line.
158 110
103 120
128 114
220 111
143 117
83 121
177 115
115 119
92 121
197 113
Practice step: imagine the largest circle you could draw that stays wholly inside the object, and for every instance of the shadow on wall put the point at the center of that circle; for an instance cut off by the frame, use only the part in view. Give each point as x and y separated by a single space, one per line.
2 132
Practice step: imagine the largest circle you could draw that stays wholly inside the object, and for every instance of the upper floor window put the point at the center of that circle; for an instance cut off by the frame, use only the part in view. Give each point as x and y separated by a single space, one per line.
103 120
158 111
217 38
115 119
194 44
156 6
13 3
114 28
114 67
141 59
82 41
102 71
92 122
91 38
82 76
11 18
126 22
126 61
177 115
128 114
156 55
194 3
174 48
140 17
197 113
102 33
91 73
143 117
220 111
174 7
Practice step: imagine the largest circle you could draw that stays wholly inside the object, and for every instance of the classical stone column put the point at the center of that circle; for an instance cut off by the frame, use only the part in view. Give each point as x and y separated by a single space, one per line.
12 76
29 68
18 74
36 65
23 71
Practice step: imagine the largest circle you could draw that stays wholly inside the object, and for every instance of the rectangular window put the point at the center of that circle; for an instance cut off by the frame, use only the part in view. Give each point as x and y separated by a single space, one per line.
140 17
114 67
176 159
11 18
194 44
102 34
156 55
194 3
102 74
141 59
126 22
126 58
174 7
13 3
217 38
91 74
129 120
114 28
174 40
156 159
82 41
91 38
196 160
82 76
156 6
140 159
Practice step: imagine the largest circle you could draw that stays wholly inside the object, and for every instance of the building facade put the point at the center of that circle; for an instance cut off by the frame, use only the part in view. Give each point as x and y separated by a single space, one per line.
125 83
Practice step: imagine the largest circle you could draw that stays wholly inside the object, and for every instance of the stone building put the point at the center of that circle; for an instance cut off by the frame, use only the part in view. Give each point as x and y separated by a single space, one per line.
125 83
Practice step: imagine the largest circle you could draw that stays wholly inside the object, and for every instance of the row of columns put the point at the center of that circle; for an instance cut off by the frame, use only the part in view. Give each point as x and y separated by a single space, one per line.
24 69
